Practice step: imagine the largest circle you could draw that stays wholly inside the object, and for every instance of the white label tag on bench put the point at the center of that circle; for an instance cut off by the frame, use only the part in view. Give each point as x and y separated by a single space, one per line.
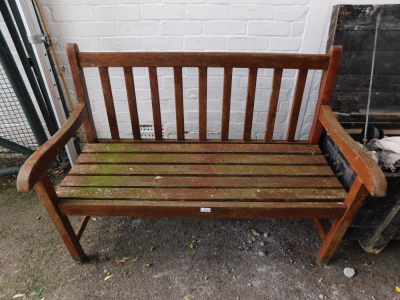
205 209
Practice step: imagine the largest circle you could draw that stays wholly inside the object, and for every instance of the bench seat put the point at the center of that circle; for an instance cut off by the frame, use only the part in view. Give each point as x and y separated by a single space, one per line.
202 180
247 173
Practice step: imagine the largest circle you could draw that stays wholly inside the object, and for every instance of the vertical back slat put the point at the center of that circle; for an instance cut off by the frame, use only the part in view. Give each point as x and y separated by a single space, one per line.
298 95
155 101
251 92
273 105
131 95
226 104
81 90
202 104
109 102
180 123
325 93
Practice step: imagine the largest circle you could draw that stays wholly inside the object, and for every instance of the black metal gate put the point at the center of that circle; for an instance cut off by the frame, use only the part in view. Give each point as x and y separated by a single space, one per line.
21 128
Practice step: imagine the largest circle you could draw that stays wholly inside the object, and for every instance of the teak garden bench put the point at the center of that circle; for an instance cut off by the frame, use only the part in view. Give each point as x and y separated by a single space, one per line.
222 178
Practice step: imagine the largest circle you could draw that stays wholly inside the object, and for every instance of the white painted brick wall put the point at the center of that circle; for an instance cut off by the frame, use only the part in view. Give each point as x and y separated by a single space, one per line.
183 25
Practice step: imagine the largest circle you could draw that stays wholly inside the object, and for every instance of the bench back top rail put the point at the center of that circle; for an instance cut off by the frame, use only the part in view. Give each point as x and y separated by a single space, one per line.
228 61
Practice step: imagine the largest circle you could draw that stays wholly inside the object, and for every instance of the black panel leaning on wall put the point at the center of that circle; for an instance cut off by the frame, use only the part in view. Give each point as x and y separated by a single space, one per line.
353 26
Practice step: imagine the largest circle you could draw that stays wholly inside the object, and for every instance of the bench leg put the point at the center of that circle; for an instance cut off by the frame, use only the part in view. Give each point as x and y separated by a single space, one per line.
353 201
48 196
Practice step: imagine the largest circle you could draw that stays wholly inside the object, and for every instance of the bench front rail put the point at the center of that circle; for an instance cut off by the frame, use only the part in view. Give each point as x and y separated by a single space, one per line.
203 178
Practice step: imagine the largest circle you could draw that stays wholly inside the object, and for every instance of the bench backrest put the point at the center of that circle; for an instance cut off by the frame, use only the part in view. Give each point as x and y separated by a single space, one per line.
228 61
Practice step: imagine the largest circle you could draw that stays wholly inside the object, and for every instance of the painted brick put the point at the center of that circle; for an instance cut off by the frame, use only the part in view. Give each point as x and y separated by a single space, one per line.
162 43
293 13
181 27
73 13
64 29
207 12
183 1
287 83
247 43
85 44
94 83
204 43
121 107
59 2
252 12
308 118
237 116
224 27
162 12
139 71
137 28
122 12
303 2
83 2
297 29
138 1
92 29
280 117
275 2
193 25
47 14
261 106
120 44
166 94
268 28
284 44
284 107
230 1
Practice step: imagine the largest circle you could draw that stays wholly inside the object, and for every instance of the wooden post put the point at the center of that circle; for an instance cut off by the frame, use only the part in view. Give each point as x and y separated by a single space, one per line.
48 196
81 90
354 199
327 84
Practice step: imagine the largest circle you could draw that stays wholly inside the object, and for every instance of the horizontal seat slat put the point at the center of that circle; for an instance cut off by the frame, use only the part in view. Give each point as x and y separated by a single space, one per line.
202 148
194 158
184 170
215 194
193 209
196 182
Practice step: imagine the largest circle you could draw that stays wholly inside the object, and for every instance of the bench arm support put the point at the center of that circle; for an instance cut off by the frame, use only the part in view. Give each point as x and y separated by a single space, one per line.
367 170
36 165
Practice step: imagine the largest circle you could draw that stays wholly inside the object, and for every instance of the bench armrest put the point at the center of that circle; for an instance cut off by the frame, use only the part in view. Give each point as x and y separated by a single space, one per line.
366 168
37 164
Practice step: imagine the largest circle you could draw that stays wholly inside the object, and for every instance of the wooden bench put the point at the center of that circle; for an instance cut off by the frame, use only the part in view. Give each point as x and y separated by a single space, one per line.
222 178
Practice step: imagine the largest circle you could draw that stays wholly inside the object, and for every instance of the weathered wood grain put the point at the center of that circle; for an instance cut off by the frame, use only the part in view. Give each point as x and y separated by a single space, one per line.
48 196
195 158
155 102
273 105
327 84
233 170
202 104
204 194
251 93
203 60
192 209
82 96
131 96
36 165
109 103
368 172
201 181
296 104
203 148
226 104
180 122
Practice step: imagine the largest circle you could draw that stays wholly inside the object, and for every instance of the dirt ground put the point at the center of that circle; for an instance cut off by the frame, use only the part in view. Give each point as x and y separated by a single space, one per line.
160 258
